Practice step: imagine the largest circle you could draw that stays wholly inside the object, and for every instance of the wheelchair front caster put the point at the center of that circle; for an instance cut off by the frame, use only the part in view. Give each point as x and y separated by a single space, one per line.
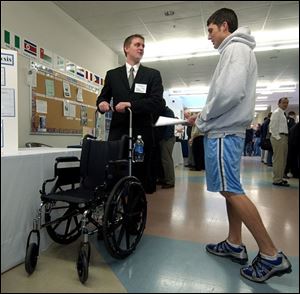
83 262
31 257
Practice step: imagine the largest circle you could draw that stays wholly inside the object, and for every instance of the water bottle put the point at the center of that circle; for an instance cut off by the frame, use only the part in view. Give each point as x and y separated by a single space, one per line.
138 149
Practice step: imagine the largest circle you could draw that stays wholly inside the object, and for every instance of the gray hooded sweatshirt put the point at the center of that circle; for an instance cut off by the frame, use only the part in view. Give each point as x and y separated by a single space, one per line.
229 107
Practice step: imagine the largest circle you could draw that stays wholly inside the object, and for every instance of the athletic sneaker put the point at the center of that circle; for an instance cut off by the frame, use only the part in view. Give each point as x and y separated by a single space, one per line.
262 269
224 249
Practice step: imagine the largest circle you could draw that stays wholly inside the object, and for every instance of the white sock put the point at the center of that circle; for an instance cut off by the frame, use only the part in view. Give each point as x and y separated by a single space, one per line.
233 245
269 257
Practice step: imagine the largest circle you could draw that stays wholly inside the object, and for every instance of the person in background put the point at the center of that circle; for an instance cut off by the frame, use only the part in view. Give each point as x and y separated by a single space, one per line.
265 135
196 142
139 88
291 119
256 147
279 139
229 109
166 148
294 150
289 161
248 145
179 132
190 162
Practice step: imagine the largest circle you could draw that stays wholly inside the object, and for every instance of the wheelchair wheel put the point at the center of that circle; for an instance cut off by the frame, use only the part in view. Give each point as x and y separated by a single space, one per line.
31 257
86 247
83 263
124 217
68 228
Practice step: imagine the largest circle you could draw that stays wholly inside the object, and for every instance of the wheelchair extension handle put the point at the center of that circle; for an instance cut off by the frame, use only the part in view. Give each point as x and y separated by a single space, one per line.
130 141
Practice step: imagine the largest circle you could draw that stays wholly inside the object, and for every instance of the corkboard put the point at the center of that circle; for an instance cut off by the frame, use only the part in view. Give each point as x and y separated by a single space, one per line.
54 121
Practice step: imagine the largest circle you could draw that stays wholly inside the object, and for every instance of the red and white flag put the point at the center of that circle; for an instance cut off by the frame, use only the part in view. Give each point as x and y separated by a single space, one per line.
30 48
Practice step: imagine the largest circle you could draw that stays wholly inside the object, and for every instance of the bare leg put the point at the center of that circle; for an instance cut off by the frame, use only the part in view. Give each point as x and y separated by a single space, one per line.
235 225
242 209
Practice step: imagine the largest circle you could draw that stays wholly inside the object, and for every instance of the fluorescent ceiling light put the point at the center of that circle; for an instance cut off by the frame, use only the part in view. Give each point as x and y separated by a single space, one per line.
261 107
276 87
189 91
183 48
264 92
262 88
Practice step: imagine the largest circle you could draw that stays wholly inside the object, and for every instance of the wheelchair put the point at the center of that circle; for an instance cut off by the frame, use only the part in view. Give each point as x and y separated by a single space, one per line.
96 194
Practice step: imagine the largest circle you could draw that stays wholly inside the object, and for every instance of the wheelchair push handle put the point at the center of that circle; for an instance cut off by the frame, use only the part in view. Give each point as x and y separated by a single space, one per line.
130 141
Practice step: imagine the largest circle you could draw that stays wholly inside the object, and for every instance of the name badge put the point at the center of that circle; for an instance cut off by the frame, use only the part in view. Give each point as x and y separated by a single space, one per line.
140 88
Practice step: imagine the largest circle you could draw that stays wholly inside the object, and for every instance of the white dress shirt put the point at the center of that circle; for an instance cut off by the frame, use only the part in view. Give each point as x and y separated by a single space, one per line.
278 124
135 67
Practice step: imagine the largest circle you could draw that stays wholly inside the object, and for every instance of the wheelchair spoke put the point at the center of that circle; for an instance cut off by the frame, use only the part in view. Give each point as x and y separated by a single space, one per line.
59 207
121 234
67 226
127 240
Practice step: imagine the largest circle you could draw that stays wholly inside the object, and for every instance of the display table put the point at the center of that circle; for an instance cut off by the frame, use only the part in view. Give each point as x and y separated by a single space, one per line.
22 175
177 154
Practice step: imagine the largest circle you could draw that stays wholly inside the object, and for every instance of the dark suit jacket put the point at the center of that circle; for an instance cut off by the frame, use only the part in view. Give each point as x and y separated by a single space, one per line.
143 105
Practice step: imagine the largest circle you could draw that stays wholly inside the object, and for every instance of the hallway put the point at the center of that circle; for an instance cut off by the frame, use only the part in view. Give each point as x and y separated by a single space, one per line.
171 256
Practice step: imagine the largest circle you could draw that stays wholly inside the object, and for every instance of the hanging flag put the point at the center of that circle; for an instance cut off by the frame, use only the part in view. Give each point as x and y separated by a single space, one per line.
96 79
80 72
70 67
46 55
30 48
59 62
11 40
87 74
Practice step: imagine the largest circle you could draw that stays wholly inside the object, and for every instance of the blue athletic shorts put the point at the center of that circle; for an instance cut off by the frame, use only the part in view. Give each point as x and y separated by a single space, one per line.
222 163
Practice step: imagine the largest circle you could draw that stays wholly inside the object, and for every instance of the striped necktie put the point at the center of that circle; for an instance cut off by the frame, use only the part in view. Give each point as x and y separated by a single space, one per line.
131 77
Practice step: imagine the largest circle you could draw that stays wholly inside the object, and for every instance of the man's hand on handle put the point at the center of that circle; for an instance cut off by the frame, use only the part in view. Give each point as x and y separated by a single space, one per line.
104 106
121 106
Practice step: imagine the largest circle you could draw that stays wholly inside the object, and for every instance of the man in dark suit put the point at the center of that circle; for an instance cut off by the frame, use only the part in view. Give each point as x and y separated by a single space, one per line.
140 88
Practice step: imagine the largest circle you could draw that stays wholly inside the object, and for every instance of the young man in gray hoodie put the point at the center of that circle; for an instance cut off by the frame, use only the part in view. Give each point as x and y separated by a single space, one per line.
228 111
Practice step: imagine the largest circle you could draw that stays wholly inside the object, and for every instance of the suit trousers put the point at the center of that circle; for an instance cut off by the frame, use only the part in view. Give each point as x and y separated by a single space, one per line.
166 149
280 151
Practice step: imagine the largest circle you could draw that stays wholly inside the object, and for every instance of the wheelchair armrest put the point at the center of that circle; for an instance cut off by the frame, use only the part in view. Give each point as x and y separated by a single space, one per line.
66 159
43 191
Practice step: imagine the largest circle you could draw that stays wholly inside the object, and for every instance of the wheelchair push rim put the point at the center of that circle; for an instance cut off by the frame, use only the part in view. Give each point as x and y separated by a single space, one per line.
67 227
124 217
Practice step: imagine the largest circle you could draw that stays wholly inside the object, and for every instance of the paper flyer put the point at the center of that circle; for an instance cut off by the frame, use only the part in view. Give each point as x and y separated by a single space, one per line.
166 121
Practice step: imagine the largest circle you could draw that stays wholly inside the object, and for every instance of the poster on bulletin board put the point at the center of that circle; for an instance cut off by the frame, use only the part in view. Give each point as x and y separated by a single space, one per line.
60 104
9 102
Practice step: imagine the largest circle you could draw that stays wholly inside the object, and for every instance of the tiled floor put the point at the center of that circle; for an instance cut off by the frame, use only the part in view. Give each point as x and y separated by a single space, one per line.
171 256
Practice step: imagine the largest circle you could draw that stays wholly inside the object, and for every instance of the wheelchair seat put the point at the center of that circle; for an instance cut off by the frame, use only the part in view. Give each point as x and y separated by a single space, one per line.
76 196
97 172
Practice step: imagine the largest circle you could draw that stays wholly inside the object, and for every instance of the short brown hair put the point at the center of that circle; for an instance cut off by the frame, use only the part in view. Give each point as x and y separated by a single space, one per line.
224 14
129 39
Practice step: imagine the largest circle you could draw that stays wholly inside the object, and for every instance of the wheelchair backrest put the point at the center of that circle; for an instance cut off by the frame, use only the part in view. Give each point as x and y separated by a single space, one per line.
95 156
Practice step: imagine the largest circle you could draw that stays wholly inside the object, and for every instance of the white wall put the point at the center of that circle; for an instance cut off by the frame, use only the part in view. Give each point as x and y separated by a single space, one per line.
175 104
44 23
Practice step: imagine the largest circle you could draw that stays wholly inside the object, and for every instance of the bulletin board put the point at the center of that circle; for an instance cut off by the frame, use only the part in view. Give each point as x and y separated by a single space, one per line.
55 113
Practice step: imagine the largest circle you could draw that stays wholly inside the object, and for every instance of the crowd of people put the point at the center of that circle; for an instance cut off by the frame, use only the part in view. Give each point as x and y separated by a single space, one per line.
276 142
